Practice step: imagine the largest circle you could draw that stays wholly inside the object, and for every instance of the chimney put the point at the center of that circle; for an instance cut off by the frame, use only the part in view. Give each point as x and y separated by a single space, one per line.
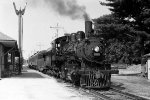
88 28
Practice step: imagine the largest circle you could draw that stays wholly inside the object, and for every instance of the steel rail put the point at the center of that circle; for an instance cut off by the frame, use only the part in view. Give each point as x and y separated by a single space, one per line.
111 94
131 96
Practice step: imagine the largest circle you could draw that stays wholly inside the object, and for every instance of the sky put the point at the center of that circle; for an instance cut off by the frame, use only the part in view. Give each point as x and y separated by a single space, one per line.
40 15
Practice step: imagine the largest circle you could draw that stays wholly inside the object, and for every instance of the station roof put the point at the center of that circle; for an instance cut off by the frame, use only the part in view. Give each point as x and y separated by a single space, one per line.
7 41
5 37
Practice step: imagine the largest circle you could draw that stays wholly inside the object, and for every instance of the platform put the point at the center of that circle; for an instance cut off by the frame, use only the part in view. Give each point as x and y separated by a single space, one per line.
33 85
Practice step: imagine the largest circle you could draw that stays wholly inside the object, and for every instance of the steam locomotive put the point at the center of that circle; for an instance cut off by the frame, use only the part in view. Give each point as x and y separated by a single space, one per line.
77 57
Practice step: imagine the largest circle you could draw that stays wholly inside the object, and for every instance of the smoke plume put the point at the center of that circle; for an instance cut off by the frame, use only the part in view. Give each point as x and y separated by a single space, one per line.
68 8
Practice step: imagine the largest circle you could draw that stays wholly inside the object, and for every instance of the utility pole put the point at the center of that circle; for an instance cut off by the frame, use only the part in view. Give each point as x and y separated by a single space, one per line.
57 29
19 13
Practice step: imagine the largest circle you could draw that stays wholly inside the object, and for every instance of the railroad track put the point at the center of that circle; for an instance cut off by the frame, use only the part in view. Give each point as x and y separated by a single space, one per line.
127 95
113 94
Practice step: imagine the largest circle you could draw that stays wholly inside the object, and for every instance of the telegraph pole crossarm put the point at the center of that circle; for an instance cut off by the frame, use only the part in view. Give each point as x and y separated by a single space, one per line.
57 29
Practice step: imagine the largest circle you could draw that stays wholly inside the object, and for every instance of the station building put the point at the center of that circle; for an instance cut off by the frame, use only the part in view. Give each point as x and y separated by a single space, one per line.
9 55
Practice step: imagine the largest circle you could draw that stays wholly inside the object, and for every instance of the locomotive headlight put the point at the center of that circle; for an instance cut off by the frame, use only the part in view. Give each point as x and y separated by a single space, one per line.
97 49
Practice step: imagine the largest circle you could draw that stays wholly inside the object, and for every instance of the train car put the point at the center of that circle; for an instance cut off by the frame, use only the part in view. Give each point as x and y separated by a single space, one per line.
37 61
32 61
41 60
48 62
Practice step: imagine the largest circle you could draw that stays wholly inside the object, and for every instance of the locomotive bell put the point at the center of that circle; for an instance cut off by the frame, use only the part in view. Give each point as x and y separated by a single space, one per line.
88 28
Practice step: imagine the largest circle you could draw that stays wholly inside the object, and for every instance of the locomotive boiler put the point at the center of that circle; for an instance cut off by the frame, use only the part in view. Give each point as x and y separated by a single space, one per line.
81 59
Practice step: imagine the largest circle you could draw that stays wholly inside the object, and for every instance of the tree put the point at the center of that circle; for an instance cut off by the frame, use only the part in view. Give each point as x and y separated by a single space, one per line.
122 46
135 13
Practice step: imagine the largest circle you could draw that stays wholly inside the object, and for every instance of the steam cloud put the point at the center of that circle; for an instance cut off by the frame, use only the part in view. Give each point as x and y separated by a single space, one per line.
68 8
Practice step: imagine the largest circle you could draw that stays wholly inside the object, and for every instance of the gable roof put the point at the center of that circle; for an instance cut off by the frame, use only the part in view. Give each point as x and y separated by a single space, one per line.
7 41
5 37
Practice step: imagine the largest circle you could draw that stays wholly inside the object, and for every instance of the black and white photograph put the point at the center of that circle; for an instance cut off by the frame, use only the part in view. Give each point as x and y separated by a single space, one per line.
74 49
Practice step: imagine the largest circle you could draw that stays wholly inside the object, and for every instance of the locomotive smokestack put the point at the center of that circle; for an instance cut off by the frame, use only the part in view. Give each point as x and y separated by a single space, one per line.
88 28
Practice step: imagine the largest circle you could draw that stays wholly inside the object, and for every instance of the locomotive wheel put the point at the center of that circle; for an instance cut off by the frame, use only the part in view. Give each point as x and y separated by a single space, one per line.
75 78
63 74
77 83
82 81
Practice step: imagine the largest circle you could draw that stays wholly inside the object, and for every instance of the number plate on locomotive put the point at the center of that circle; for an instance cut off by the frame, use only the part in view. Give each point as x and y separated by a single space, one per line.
96 54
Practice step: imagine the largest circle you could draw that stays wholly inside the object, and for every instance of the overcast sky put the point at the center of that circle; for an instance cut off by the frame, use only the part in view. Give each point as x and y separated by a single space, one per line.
41 14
